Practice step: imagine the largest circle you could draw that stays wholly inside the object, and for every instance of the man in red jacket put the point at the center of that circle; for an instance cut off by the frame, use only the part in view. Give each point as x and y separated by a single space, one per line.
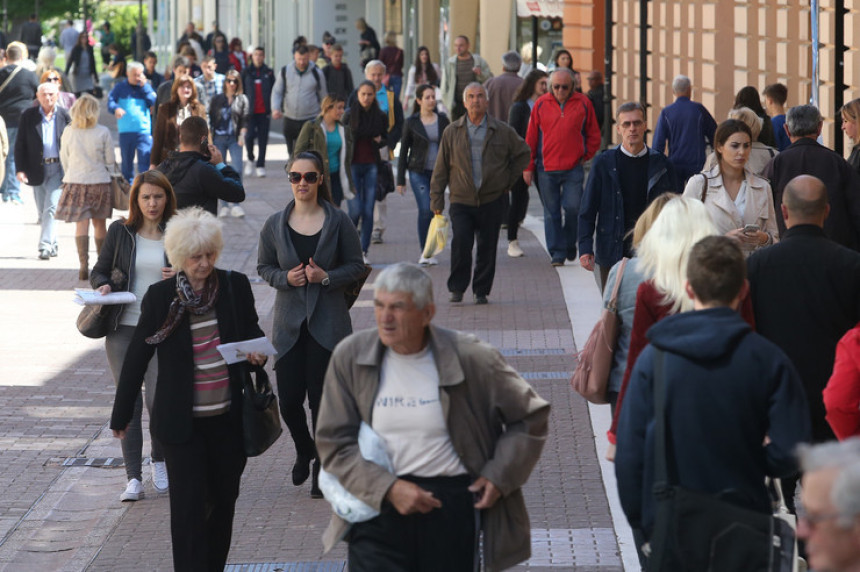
563 134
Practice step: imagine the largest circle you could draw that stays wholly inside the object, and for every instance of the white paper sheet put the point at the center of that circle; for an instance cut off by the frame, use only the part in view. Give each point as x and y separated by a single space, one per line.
236 351
87 297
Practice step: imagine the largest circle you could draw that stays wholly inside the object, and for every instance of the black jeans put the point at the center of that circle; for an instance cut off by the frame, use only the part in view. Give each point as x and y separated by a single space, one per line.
258 128
443 539
205 473
518 207
468 224
301 372
292 129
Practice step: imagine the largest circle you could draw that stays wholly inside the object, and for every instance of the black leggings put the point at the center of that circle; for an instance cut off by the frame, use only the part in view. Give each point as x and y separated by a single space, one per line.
300 372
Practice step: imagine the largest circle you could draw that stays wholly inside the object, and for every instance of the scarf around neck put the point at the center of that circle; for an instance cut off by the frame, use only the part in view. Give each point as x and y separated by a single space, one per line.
186 300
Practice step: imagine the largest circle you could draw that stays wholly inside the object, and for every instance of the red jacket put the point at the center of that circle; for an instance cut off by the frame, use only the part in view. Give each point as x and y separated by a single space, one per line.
842 394
562 138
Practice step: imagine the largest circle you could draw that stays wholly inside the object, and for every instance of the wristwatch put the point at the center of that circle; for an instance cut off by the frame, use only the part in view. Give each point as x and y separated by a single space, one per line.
325 281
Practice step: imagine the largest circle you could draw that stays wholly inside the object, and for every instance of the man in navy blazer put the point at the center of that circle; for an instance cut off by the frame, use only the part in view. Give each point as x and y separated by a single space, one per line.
37 159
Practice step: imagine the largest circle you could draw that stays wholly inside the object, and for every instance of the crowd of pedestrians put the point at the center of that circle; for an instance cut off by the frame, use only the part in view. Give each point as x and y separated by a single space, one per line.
730 249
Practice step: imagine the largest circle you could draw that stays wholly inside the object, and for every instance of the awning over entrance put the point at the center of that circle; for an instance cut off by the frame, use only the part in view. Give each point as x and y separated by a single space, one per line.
540 8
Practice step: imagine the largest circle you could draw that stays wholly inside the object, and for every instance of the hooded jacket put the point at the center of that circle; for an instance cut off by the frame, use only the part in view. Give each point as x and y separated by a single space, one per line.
198 182
726 389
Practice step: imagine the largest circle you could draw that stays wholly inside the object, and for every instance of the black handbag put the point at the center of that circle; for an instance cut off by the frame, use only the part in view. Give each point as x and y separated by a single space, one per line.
95 321
699 532
261 421
384 180
352 290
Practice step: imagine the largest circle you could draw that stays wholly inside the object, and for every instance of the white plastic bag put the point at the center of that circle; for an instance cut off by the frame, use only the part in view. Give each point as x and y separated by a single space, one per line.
342 502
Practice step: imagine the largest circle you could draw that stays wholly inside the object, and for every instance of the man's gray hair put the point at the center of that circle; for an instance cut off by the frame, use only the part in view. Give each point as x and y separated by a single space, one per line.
134 66
511 61
409 279
47 86
845 457
375 63
475 84
681 85
631 106
803 121
567 71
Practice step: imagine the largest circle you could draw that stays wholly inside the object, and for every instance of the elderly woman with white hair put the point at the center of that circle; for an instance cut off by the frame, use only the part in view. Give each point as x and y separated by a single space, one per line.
197 415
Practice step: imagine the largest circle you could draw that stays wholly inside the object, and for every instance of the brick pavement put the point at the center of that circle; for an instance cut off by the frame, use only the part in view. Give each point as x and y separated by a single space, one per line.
56 398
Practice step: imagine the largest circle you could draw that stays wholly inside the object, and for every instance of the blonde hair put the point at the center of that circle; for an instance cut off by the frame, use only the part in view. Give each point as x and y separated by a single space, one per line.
85 112
665 248
647 218
192 231
851 111
748 116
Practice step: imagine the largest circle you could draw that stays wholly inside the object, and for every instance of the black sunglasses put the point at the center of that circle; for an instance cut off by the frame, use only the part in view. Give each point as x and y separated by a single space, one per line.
54 79
295 178
233 81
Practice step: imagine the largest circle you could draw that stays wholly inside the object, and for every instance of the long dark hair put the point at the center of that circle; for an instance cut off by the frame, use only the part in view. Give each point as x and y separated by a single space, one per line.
419 93
323 192
748 97
156 178
558 54
527 88
429 72
354 115
728 128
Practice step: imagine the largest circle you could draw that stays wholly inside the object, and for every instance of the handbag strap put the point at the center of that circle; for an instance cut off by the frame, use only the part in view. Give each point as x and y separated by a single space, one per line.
613 301
9 78
661 473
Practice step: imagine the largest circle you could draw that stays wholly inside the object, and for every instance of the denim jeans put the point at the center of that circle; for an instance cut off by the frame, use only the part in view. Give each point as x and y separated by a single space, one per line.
561 192
421 189
230 143
47 196
129 143
336 188
258 128
364 177
11 187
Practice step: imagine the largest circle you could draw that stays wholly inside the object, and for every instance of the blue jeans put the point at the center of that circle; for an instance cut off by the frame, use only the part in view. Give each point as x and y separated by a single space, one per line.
421 189
395 82
47 196
129 143
364 177
561 192
230 143
11 188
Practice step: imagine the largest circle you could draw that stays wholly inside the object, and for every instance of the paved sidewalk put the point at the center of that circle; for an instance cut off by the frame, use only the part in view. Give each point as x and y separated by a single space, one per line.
56 394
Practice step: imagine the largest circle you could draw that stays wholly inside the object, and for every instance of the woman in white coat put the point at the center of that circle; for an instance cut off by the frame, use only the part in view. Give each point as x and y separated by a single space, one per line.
739 203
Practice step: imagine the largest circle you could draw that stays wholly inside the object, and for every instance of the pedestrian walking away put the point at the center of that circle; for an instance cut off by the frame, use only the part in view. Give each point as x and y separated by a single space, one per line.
502 88
457 473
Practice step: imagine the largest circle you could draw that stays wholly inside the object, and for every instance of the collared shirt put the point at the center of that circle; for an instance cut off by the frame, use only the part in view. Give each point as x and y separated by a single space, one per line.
642 152
477 134
50 145
206 89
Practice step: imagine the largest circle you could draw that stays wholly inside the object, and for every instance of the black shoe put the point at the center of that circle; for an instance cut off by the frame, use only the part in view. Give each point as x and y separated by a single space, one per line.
480 299
301 470
316 493
455 297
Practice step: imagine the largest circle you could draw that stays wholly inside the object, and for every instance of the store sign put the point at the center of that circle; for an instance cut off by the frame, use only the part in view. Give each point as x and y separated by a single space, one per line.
540 8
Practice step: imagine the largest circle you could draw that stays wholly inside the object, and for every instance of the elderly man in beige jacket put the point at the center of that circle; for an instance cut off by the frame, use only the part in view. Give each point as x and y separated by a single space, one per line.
462 429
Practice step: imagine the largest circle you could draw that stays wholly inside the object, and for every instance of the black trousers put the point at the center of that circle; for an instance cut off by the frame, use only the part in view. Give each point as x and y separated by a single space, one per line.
443 539
258 129
292 129
468 224
518 207
301 372
205 473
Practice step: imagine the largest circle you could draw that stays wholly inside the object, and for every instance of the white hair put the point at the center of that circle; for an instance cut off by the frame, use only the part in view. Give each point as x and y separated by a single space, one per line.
375 64
189 232
409 279
681 85
845 457
134 66
665 248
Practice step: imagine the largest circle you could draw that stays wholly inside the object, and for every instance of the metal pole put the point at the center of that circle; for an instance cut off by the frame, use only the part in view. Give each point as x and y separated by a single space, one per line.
607 73
643 52
534 42
139 37
6 18
839 73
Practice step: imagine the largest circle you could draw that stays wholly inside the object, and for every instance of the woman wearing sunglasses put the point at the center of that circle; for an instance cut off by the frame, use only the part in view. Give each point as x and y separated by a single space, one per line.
228 117
309 252
65 100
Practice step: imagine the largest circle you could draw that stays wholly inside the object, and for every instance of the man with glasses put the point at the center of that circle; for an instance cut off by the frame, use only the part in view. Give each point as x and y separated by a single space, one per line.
622 182
563 134
829 515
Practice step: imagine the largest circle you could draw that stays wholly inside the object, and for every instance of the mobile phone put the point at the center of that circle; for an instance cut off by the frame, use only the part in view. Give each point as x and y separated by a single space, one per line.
751 229
204 149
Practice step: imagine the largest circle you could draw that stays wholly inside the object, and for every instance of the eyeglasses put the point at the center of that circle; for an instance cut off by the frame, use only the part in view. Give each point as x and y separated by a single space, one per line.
629 124
562 86
54 79
813 520
295 178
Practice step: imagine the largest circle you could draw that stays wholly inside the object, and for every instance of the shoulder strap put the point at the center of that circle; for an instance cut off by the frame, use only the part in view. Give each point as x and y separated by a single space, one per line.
661 473
613 301
704 187
9 78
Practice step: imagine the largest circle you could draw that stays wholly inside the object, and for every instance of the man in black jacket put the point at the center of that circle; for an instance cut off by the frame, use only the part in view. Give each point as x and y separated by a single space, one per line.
16 95
37 158
257 81
805 156
806 294
198 179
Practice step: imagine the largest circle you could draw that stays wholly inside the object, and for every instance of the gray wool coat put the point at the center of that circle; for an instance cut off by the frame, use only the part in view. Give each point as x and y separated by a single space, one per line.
324 307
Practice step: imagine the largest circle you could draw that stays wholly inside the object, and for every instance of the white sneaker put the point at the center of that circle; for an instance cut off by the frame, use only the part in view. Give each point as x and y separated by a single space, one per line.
133 491
514 250
237 211
428 261
159 476
261 172
225 211
249 168
366 259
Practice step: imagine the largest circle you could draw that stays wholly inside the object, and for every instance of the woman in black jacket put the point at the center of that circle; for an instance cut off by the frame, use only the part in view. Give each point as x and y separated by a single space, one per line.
369 127
418 149
198 406
131 259
82 65
534 86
